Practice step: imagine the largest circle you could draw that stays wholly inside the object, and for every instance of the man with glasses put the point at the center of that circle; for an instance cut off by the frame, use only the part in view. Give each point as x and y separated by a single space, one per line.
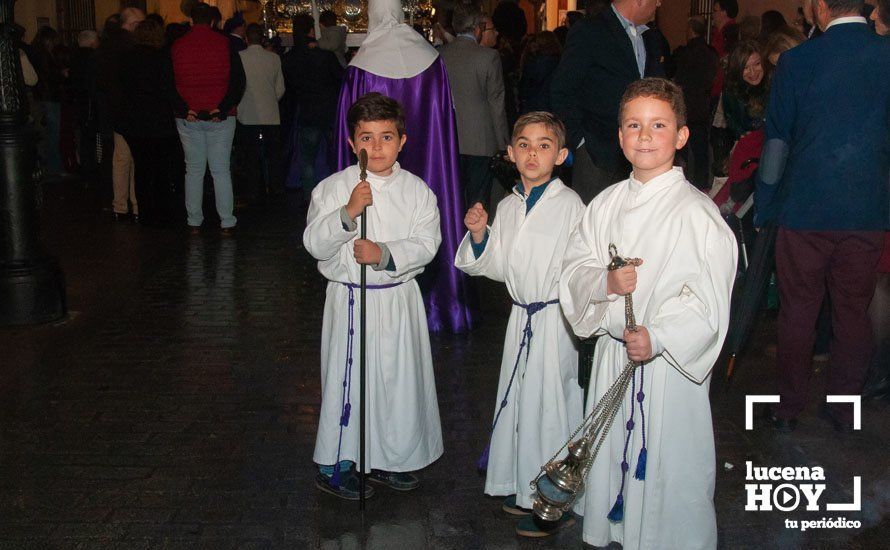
489 37
477 86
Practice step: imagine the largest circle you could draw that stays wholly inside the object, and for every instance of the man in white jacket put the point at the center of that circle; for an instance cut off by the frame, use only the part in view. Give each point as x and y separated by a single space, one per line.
259 123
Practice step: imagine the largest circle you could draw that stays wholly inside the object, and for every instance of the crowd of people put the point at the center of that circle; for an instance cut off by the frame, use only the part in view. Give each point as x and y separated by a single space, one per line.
143 107
761 112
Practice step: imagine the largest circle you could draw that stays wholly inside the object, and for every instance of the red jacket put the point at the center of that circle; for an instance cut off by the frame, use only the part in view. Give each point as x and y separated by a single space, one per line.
202 68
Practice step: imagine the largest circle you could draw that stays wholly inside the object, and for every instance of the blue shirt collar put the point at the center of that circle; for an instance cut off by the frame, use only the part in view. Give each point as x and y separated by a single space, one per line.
536 193
626 23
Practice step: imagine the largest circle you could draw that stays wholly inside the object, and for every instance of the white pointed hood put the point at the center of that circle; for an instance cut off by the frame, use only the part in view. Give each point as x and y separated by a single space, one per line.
392 48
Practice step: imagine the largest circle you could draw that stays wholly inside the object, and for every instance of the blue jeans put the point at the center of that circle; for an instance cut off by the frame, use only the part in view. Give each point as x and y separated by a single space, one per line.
208 143
310 140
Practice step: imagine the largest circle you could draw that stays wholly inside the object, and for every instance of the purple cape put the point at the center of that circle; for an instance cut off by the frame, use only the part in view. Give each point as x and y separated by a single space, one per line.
430 153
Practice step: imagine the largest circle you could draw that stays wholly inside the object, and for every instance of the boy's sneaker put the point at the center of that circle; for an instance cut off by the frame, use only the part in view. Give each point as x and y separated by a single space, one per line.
512 508
349 488
528 527
400 481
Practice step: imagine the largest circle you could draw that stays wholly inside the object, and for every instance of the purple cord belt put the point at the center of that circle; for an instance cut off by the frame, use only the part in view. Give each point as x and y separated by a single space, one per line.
346 402
526 343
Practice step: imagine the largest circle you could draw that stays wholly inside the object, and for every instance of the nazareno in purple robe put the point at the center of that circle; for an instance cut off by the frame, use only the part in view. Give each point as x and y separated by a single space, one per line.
430 153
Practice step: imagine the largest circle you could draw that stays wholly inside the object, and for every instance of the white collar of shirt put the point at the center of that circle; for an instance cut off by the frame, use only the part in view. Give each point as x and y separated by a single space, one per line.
636 30
469 35
377 182
849 19
656 184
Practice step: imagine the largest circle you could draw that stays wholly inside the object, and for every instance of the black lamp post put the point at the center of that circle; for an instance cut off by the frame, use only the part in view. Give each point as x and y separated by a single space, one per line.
31 287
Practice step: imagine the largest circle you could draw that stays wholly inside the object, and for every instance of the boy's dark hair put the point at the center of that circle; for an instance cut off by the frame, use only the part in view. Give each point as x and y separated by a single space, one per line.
731 7
549 120
327 18
254 34
657 88
375 106
202 14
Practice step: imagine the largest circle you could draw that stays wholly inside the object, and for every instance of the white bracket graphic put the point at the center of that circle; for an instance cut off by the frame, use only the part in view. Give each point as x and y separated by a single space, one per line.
856 400
856 505
749 407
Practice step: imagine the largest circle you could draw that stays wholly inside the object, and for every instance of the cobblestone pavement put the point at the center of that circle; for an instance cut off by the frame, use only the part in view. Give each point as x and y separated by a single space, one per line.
177 407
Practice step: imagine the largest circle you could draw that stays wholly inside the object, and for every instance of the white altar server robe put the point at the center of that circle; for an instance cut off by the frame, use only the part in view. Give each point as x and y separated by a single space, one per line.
545 402
403 428
682 298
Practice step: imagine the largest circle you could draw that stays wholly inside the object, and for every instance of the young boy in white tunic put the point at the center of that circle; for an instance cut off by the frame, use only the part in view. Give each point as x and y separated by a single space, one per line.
403 429
539 400
652 484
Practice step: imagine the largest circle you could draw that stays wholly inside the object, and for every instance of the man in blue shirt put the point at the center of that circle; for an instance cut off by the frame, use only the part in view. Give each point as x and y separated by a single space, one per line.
824 179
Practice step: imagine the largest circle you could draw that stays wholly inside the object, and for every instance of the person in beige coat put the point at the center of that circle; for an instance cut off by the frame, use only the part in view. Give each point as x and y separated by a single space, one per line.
259 122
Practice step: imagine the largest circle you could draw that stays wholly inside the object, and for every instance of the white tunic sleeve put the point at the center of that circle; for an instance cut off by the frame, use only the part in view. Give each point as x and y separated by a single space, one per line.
490 263
582 286
692 325
420 247
324 234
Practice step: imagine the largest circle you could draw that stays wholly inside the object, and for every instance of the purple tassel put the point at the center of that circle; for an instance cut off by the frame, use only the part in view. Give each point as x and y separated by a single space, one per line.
482 463
641 465
344 419
335 477
617 513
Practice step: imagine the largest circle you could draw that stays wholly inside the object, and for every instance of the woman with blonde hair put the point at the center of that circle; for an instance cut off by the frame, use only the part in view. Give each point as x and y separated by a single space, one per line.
779 41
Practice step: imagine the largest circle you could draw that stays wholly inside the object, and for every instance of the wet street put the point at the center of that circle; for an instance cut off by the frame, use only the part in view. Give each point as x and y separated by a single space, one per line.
177 405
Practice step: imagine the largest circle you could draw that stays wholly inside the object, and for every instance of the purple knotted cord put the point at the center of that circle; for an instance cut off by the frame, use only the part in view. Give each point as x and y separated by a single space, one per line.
526 342
617 512
641 460
346 401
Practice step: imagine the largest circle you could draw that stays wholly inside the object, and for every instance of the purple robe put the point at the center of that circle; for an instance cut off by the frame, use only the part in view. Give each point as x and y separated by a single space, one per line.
430 153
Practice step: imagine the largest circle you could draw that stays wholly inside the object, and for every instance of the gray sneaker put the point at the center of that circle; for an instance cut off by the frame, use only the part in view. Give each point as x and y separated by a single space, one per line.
400 481
349 486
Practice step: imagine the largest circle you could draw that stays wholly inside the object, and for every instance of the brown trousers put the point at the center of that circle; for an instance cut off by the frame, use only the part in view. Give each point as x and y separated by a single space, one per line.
807 264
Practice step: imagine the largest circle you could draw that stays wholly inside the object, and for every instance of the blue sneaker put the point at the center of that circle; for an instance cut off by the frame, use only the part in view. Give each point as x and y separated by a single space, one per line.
528 527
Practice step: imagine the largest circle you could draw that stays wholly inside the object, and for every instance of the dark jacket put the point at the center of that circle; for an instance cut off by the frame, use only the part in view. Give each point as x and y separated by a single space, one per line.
50 77
829 113
534 84
81 84
147 109
109 59
743 109
596 66
315 96
696 67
